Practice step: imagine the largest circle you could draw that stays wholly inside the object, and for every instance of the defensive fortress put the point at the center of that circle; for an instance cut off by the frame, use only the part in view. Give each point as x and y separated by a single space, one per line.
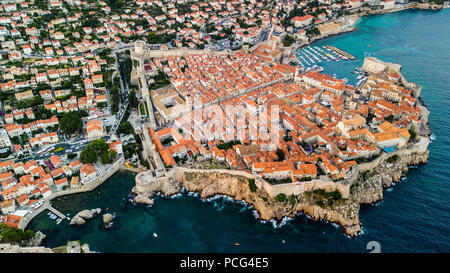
334 195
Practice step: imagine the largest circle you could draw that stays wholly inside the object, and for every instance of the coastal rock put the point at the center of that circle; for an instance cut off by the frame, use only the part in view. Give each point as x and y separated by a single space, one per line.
37 239
76 247
77 220
143 199
369 187
171 187
73 247
80 217
134 190
85 248
107 218
85 214
235 186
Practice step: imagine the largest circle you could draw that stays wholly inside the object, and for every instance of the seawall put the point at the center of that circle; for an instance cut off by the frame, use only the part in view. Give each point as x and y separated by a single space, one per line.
235 184
317 198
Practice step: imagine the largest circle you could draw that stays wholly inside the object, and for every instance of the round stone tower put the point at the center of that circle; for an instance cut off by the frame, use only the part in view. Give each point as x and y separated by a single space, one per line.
139 47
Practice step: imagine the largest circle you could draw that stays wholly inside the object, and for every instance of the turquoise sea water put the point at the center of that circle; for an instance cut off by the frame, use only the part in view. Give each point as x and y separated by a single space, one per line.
413 217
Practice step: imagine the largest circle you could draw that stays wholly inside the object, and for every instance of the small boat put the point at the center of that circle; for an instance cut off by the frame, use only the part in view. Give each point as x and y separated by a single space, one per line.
237 244
58 221
155 235
106 209
284 242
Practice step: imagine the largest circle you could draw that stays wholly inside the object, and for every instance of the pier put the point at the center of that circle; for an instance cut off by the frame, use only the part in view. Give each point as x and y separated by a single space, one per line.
348 55
55 211
46 206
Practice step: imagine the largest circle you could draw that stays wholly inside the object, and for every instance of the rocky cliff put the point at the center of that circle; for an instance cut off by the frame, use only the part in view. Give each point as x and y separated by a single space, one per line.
370 184
318 204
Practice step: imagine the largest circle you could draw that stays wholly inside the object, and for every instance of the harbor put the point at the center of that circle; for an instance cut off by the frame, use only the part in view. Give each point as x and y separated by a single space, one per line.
30 214
313 57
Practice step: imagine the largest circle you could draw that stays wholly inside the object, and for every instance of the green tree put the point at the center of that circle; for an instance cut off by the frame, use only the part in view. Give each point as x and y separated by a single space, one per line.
89 154
71 123
280 154
413 134
288 40
112 154
125 127
105 158
252 185
133 99
95 149
14 235
281 197
389 118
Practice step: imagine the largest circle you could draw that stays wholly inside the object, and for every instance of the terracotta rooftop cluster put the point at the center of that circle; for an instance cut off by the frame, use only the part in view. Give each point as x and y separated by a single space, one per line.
323 122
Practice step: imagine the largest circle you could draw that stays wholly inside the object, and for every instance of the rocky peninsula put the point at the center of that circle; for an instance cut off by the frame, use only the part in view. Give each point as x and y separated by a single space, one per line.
322 199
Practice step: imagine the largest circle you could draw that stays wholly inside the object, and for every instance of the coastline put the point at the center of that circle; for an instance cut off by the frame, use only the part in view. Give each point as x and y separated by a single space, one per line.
130 169
316 198
393 220
347 30
116 166
315 212
343 212
367 12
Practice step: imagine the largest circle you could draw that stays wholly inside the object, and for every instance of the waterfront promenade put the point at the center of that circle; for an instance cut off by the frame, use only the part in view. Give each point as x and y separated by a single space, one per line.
117 165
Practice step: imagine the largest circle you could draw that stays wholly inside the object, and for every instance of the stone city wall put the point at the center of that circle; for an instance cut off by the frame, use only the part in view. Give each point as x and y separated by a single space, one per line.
146 183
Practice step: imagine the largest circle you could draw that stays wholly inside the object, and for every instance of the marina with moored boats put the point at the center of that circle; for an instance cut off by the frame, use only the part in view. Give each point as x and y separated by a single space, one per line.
310 57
